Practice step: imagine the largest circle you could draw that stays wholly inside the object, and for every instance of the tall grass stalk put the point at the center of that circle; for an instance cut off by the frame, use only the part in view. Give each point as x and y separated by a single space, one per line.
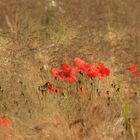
126 118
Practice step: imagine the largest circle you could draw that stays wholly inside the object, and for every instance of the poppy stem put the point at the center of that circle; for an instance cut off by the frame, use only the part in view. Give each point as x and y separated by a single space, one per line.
93 87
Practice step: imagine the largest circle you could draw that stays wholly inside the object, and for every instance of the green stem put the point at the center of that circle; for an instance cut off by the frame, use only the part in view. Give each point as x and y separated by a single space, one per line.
126 119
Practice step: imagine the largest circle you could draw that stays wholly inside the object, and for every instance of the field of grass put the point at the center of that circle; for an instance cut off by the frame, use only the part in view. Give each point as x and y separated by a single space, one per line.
38 35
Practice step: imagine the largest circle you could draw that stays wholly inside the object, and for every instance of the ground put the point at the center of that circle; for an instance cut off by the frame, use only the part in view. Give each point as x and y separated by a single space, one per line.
38 35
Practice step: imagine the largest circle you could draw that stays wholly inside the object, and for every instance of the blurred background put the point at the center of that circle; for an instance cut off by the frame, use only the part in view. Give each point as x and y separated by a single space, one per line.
36 35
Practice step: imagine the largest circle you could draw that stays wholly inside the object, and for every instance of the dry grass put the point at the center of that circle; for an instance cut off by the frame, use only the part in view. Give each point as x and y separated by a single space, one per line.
34 36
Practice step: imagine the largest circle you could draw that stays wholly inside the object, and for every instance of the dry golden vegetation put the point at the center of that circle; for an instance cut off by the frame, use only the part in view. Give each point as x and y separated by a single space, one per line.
36 35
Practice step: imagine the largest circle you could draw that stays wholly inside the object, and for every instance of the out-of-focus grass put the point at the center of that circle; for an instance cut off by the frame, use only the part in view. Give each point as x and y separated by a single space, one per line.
95 30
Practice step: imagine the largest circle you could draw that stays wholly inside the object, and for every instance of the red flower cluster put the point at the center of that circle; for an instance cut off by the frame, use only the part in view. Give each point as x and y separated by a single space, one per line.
134 70
80 64
67 73
4 121
90 69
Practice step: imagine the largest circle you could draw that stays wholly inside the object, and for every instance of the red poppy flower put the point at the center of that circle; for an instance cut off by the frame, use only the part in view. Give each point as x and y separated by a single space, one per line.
56 73
51 88
106 72
80 64
103 70
69 79
92 71
100 71
6 122
132 68
1 119
66 68
68 73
